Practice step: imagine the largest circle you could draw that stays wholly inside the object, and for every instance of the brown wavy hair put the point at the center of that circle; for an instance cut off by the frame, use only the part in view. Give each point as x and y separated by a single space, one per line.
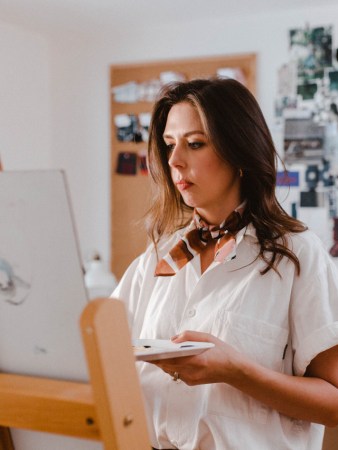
234 123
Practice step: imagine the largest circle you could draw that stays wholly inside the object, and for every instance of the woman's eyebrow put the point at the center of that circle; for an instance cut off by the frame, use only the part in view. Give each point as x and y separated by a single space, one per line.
189 133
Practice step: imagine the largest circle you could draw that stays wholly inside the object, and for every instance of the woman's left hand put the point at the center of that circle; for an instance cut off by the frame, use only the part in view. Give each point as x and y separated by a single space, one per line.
215 365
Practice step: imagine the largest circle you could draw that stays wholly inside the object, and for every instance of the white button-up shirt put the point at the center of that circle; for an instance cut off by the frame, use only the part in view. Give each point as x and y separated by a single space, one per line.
282 322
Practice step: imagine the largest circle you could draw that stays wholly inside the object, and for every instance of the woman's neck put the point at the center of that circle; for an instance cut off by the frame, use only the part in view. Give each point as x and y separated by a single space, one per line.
216 217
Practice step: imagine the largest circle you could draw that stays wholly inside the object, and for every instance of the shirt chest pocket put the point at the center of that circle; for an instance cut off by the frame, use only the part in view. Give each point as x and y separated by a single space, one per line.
260 341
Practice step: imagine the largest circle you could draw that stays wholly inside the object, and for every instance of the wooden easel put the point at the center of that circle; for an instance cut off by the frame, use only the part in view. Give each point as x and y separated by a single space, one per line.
109 408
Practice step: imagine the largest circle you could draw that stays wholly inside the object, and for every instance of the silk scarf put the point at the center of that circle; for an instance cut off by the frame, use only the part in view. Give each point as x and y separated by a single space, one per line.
194 241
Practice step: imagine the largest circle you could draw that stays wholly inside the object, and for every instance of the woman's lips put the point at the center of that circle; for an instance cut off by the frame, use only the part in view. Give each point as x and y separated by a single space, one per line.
182 185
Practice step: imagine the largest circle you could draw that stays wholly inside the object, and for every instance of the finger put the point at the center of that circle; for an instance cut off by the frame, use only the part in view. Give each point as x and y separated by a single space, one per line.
170 365
197 336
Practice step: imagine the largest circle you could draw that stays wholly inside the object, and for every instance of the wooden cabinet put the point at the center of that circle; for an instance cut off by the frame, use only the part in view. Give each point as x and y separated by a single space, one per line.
130 193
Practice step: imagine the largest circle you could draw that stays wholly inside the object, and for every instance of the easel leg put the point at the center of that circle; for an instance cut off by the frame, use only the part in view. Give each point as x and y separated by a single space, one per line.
6 441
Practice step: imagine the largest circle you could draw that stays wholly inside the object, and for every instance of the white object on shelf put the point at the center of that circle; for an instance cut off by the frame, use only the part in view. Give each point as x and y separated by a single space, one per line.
98 280
231 72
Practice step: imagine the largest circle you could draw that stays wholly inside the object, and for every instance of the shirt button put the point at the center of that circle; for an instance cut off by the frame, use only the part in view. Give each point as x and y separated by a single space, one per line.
191 312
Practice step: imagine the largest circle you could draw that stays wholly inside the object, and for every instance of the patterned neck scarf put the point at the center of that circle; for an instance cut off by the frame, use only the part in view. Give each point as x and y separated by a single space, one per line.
196 238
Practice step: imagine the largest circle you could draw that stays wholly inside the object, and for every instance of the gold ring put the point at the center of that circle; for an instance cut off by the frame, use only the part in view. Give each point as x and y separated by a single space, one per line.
176 376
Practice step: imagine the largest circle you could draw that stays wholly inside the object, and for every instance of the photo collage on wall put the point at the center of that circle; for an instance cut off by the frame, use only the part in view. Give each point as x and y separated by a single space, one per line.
307 93
311 48
132 128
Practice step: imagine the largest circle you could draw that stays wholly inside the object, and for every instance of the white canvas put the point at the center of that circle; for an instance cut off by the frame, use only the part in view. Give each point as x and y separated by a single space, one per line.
42 291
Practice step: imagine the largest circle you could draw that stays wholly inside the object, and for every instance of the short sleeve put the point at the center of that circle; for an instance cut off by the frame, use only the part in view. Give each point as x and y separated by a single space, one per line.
314 303
135 288
129 285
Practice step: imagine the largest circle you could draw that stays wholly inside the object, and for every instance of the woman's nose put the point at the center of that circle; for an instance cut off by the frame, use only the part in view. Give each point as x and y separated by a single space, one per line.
176 158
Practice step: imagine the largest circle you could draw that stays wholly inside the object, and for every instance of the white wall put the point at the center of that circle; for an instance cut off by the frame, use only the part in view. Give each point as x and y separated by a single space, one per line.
79 130
24 99
81 136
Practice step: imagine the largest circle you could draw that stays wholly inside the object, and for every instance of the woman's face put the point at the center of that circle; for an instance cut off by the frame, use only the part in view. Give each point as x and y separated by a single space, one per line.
203 179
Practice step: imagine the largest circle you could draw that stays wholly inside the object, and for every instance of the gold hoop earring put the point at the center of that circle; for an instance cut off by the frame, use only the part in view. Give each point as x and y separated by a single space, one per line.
241 173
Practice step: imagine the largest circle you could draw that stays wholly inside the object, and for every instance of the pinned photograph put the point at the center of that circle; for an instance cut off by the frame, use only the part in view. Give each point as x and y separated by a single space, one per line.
312 49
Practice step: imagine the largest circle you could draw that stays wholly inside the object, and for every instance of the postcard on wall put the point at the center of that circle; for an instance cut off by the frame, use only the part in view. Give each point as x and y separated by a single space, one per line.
312 49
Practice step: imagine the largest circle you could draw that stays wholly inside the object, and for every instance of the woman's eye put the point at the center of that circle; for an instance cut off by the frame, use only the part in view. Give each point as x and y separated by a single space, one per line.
170 147
195 145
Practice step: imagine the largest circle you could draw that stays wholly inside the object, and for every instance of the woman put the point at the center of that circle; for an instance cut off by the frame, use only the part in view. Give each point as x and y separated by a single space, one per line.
228 263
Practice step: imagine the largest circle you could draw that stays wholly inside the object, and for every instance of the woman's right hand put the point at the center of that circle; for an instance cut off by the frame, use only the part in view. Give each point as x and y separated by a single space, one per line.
218 364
